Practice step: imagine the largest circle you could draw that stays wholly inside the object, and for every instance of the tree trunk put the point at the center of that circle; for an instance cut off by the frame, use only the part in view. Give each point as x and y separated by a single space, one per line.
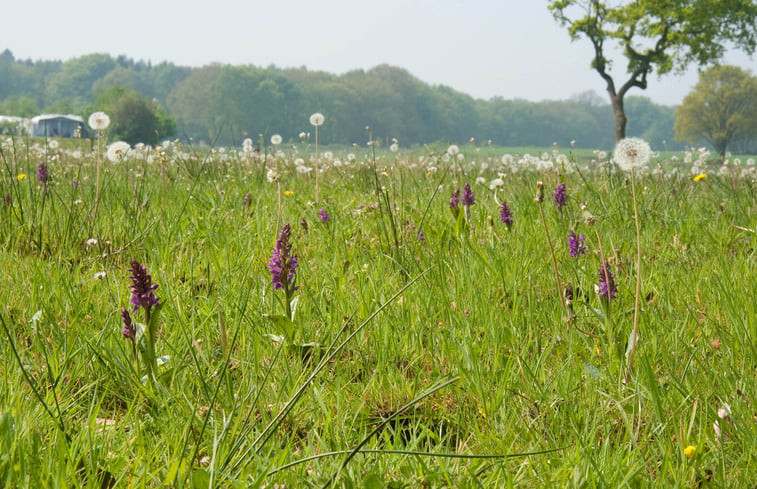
620 116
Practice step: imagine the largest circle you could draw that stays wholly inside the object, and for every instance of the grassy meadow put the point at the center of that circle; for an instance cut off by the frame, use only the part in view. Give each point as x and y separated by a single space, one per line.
412 345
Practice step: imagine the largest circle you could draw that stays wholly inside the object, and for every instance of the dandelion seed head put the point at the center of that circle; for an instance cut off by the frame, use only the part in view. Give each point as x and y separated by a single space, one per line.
317 119
631 153
117 151
99 121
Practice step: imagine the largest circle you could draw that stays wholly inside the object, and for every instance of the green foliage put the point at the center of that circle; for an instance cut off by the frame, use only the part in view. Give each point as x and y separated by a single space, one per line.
722 109
134 118
19 106
230 103
656 36
75 79
475 305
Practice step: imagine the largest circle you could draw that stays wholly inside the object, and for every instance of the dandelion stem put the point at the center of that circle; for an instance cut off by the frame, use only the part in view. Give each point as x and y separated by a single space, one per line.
316 165
634 335
98 157
558 282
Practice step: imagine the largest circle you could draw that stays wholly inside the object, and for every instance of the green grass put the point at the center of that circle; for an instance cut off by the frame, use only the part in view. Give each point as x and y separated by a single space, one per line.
475 306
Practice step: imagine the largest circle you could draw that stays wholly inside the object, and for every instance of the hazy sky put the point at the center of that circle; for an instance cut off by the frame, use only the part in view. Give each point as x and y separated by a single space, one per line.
486 48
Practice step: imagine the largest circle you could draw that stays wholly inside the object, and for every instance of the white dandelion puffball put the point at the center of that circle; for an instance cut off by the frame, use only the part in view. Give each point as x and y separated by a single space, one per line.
117 151
276 139
99 121
317 119
394 147
453 150
631 153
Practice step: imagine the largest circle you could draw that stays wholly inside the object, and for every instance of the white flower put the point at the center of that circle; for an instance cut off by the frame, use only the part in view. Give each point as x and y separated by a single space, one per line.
394 147
276 139
480 181
497 182
724 411
303 136
118 150
328 156
317 119
99 121
91 242
53 144
98 276
272 175
453 150
631 153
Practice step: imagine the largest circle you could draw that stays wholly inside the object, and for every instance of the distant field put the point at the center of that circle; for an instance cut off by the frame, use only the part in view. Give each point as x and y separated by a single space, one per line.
417 340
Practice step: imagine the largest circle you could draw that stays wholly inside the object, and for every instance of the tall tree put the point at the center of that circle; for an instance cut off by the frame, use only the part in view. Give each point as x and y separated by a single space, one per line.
135 118
656 35
721 109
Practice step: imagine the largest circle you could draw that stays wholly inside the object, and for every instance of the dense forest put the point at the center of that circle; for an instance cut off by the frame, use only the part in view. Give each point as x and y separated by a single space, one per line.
228 103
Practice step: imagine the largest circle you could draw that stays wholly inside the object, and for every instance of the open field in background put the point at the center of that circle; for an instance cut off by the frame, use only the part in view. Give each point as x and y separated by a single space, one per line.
470 315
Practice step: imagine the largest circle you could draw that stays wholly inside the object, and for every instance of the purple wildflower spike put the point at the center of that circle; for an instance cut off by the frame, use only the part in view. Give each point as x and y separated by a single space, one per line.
43 174
142 288
576 244
559 197
607 287
469 198
454 199
129 331
505 214
323 215
283 265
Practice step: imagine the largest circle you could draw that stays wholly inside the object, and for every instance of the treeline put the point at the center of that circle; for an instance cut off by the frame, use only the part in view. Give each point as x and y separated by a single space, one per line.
228 103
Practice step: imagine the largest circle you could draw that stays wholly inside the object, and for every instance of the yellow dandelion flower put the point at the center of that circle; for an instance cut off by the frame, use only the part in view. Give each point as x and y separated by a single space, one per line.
288 193
20 176
689 451
699 177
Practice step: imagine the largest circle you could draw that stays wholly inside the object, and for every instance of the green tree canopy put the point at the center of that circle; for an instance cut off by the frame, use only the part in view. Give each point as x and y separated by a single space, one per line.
722 109
134 118
656 35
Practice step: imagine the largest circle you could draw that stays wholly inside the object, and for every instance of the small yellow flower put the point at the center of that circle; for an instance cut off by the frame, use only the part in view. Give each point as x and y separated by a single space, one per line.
20 176
689 451
699 177
288 193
